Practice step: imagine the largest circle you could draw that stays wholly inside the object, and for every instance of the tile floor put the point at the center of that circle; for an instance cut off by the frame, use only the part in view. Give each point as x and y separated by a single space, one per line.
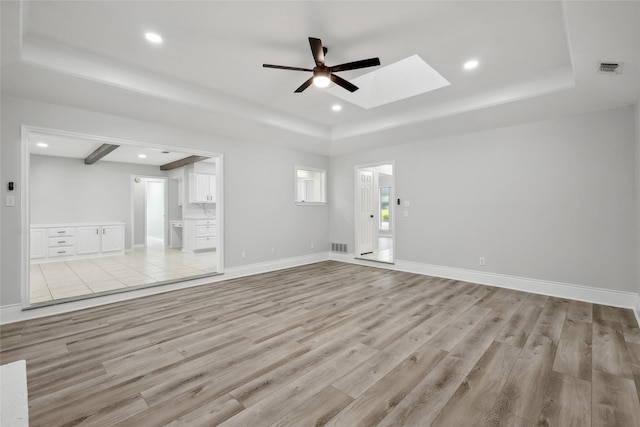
384 253
66 279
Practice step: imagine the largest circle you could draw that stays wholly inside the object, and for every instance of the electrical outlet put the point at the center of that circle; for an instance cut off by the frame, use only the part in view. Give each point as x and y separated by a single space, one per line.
273 251
10 201
243 254
481 261
405 213
312 245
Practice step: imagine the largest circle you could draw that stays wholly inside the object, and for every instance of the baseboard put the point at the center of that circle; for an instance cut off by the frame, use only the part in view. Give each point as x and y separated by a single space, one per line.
278 264
556 289
15 313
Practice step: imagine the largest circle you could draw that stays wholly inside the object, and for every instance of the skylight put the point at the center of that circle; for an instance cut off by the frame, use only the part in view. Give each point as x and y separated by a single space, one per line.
401 80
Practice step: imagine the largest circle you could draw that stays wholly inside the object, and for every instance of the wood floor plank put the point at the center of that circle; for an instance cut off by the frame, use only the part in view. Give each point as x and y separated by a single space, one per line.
580 311
381 398
367 374
573 355
479 390
253 391
567 402
456 331
517 329
615 401
425 401
317 410
610 352
332 343
524 391
210 414
276 405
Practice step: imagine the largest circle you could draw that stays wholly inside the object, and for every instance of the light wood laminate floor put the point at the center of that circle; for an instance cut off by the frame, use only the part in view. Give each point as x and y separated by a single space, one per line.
333 344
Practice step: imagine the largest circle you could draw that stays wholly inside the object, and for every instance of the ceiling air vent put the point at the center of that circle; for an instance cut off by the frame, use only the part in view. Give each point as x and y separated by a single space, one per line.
610 68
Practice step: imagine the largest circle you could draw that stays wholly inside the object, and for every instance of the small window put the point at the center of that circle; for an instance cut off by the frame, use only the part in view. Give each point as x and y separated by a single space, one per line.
310 186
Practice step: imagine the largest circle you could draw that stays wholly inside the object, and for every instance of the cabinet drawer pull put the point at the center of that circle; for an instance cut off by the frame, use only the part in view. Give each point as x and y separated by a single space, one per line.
61 232
62 241
62 252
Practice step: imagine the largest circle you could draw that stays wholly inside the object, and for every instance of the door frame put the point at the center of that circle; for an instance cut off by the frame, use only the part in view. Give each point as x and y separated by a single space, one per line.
165 227
376 195
25 131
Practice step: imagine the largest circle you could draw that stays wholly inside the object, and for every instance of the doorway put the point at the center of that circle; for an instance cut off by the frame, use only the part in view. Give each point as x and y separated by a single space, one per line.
155 225
109 237
374 227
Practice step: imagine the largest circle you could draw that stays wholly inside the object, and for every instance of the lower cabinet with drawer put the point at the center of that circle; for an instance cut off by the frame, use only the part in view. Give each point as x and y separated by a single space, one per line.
49 242
200 234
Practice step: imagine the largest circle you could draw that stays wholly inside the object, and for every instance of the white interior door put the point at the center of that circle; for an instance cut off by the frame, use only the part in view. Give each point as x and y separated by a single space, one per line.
366 210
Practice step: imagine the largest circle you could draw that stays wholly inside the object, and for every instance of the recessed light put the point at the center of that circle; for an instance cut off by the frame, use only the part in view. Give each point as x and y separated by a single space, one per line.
336 107
142 156
42 144
153 37
471 64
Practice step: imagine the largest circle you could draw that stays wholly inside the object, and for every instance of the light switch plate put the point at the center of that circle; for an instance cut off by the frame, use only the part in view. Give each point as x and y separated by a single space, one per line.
407 203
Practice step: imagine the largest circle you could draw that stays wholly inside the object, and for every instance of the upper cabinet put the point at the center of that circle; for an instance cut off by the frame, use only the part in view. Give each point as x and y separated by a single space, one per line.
202 188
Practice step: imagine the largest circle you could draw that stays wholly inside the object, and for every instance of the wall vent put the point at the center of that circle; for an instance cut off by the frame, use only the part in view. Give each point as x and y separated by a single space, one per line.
339 247
610 67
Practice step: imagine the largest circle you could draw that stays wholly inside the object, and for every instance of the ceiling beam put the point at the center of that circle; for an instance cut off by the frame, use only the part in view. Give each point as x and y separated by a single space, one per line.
182 162
99 153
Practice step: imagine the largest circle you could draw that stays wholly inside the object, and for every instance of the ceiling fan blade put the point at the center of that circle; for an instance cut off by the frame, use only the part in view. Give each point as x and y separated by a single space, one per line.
316 50
304 85
342 82
363 63
284 67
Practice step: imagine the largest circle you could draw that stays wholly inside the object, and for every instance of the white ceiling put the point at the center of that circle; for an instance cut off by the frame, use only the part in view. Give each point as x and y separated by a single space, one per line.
538 59
71 146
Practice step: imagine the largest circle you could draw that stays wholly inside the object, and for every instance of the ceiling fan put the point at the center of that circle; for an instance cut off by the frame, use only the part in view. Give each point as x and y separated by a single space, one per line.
323 75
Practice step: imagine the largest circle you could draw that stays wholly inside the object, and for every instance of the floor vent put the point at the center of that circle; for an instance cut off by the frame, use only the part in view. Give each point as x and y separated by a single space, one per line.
610 68
339 247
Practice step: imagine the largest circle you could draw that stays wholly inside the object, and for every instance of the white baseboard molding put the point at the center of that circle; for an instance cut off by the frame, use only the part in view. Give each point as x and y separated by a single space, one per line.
15 313
536 286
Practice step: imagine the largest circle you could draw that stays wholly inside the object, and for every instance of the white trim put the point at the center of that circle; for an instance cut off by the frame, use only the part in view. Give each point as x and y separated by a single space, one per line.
536 286
14 313
24 195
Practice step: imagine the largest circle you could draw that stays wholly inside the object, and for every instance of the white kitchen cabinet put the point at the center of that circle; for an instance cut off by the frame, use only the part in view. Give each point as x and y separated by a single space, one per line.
88 240
200 234
202 188
38 244
112 238
75 240
61 241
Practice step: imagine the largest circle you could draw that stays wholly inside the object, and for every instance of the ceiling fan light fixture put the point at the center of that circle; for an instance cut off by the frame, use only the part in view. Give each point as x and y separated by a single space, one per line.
321 78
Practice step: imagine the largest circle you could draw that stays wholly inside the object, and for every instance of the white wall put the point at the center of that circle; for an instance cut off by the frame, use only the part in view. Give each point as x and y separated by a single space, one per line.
553 200
64 190
637 111
260 213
